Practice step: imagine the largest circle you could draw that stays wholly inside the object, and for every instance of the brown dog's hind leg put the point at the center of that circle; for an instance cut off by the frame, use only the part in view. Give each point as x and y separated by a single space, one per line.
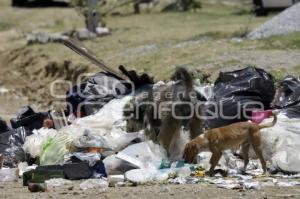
245 150
257 146
214 161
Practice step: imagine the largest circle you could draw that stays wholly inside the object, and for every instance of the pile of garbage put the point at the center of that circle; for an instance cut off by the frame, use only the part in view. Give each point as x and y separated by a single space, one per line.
91 141
284 23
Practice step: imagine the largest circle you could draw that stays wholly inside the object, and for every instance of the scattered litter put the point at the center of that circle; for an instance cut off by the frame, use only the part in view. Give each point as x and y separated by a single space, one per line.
99 184
287 184
57 182
115 179
8 175
23 167
252 185
222 183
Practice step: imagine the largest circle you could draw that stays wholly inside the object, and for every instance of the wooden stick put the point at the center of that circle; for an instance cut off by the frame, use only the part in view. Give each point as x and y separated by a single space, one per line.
80 49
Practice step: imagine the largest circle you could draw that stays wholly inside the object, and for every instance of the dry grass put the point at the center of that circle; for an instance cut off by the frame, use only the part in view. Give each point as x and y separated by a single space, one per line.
151 42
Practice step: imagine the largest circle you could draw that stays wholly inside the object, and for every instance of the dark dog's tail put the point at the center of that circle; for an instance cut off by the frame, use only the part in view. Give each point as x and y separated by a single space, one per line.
271 124
183 75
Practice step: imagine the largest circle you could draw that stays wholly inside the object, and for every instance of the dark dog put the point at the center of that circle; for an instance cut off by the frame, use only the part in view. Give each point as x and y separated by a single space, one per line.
229 137
165 109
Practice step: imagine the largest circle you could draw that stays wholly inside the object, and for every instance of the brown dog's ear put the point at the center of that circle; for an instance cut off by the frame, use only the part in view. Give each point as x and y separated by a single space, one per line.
190 153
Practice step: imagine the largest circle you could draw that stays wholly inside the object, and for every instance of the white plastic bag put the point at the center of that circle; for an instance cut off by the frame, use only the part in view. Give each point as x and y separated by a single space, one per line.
281 144
143 155
142 176
34 143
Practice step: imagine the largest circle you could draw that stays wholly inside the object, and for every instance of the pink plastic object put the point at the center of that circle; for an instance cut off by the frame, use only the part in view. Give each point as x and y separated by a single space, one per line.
259 116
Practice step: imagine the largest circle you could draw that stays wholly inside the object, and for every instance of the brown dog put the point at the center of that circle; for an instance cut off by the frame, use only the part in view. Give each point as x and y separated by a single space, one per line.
228 137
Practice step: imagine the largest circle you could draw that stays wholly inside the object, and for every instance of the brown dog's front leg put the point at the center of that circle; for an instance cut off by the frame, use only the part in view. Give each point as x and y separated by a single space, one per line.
214 161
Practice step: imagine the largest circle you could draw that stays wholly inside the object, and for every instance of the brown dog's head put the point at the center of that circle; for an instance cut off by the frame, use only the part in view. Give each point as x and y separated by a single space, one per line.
193 148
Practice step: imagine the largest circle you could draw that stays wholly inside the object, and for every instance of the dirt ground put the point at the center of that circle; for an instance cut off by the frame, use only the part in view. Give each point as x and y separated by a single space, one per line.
152 42
16 191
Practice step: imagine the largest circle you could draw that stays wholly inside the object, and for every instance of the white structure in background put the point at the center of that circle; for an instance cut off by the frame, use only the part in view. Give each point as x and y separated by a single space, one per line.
261 7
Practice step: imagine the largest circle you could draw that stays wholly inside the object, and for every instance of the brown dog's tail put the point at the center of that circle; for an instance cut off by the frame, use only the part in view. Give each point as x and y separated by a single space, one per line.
271 124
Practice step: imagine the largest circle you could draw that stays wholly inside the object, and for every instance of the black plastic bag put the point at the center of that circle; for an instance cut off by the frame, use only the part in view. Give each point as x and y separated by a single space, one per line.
237 93
288 93
3 126
11 146
288 97
29 119
92 95
75 98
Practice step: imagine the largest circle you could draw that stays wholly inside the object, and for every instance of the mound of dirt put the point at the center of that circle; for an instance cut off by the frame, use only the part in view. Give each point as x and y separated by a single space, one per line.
31 75
286 22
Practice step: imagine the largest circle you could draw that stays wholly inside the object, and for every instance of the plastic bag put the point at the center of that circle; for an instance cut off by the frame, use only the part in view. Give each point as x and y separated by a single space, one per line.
288 93
281 144
55 149
11 143
237 91
34 143
89 139
29 119
116 166
142 176
96 92
3 126
91 158
143 155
